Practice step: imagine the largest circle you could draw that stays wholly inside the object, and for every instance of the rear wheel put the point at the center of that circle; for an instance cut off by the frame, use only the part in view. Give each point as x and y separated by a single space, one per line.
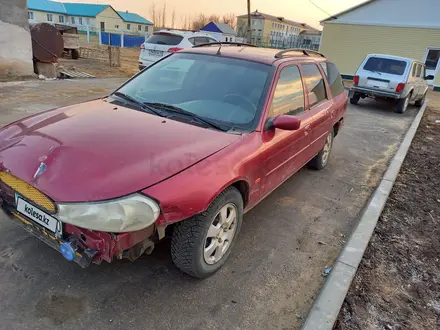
420 102
402 104
355 98
201 245
321 159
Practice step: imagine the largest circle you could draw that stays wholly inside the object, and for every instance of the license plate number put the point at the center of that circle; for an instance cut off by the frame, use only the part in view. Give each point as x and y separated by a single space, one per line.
155 53
375 83
38 216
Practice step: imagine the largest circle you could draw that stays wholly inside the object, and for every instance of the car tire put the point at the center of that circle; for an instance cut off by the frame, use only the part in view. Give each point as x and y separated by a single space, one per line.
419 103
355 98
321 159
402 104
201 245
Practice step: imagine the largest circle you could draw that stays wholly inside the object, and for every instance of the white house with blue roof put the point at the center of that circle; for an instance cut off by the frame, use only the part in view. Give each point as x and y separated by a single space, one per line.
88 16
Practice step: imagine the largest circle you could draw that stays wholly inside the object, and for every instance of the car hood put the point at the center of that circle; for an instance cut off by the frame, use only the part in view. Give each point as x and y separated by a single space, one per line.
97 150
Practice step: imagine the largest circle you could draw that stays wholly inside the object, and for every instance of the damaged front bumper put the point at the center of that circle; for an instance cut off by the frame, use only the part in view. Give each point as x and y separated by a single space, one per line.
85 246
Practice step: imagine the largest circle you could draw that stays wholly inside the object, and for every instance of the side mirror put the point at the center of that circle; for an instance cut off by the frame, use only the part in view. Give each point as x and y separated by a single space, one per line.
284 122
430 77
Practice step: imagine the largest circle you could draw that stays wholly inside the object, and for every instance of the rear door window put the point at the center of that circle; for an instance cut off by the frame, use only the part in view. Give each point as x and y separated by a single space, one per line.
419 71
288 98
315 84
164 39
385 65
414 70
334 78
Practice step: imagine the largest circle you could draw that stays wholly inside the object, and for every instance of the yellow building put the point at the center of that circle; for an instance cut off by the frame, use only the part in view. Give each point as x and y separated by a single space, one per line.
88 16
377 27
272 31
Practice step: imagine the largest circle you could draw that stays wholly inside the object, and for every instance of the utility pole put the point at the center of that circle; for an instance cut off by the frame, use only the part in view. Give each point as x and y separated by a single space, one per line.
249 21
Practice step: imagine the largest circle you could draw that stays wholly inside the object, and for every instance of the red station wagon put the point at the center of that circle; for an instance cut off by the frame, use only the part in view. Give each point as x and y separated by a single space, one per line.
188 144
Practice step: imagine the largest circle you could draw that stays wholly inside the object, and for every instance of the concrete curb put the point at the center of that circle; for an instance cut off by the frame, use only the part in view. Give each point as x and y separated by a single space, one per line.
327 305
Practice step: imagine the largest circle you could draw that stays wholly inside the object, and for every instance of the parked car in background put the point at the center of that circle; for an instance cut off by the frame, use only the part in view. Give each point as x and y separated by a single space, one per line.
164 42
185 148
385 76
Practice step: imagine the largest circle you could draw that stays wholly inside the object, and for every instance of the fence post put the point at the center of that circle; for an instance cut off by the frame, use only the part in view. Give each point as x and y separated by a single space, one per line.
88 34
100 37
122 39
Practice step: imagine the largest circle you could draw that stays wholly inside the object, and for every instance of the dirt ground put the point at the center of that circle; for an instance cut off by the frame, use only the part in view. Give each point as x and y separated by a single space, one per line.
397 285
102 69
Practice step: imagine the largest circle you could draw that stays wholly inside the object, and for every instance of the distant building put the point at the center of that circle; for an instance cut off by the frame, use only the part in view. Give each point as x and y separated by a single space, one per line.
278 32
220 31
87 16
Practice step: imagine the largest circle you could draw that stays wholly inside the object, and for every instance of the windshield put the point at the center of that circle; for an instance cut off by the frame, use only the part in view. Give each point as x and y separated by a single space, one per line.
385 65
224 90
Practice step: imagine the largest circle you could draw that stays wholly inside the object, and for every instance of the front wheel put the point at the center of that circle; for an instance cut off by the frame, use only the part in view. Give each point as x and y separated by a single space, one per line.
321 159
420 102
201 245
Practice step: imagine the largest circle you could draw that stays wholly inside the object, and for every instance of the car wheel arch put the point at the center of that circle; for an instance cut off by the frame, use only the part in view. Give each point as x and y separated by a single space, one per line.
242 185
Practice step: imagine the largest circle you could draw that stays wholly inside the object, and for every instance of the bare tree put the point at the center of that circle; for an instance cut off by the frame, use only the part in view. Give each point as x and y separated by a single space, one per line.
230 19
164 14
173 18
200 21
213 18
153 13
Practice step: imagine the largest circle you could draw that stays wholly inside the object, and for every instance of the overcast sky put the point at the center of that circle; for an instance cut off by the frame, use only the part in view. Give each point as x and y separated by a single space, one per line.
297 10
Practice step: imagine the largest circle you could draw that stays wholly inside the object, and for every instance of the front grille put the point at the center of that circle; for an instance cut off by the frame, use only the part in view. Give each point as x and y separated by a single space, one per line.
29 192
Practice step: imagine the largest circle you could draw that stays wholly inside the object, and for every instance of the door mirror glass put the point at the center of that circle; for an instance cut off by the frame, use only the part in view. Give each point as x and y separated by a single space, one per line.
285 122
429 77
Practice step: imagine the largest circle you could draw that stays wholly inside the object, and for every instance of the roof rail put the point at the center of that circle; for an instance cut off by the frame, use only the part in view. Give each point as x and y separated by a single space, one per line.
307 52
224 43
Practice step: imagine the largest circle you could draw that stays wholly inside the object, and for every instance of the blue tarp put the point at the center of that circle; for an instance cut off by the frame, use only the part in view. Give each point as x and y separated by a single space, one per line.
115 40
133 41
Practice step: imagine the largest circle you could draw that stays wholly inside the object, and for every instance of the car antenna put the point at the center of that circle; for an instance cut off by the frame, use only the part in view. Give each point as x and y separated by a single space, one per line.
219 48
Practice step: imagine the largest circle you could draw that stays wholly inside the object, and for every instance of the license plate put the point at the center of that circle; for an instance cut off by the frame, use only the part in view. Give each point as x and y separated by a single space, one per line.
38 216
375 83
155 53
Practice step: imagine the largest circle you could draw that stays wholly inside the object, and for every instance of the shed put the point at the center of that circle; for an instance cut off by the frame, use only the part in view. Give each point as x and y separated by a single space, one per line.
397 27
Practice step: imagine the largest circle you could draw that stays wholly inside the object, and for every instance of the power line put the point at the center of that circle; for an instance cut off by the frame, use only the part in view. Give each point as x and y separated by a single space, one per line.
324 11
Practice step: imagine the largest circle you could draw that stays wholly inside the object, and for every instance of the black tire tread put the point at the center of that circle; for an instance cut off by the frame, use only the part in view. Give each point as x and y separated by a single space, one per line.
316 162
187 233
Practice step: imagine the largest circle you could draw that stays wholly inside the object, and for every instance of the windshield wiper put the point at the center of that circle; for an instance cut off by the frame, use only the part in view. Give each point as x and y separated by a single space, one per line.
173 108
140 104
374 72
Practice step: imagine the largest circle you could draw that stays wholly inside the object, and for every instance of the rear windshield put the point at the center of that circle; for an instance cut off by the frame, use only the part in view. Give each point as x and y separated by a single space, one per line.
164 39
385 65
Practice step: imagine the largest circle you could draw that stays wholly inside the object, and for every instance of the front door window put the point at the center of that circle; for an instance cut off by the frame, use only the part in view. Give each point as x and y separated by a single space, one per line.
432 59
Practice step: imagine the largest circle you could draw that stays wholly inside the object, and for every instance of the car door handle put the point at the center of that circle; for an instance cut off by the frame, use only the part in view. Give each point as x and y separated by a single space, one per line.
307 129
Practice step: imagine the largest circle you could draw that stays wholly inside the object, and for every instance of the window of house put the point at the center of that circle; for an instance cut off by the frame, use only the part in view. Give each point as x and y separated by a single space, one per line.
117 27
315 84
128 27
333 77
146 28
139 27
72 20
80 21
61 19
30 15
288 98
87 21
49 17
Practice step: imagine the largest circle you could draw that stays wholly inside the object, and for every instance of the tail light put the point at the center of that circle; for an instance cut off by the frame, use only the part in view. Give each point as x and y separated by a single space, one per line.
400 87
174 49
142 46
356 80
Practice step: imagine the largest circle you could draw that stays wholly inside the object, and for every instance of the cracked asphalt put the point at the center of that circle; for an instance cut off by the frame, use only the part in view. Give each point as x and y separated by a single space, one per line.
272 276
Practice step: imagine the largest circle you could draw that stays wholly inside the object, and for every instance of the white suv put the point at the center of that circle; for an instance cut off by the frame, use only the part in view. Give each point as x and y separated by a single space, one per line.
386 76
163 42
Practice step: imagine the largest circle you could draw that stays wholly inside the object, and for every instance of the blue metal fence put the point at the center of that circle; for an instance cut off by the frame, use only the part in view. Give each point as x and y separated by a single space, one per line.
114 39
